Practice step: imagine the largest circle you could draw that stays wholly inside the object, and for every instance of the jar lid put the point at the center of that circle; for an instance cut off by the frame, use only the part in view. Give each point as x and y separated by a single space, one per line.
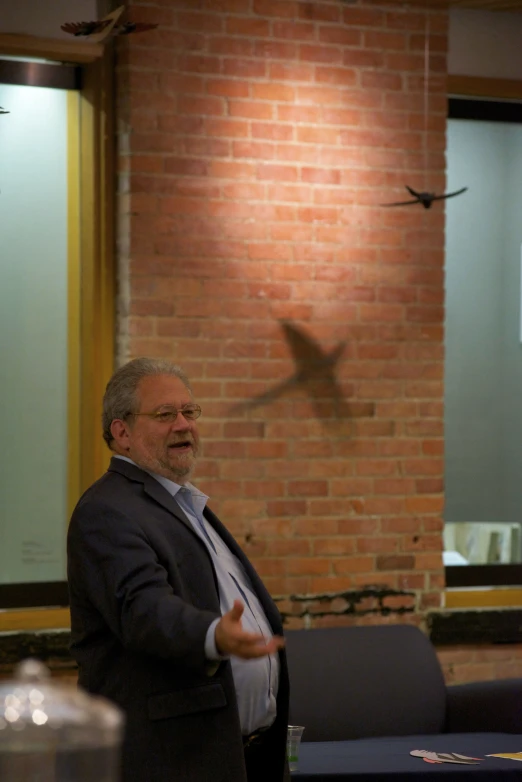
36 708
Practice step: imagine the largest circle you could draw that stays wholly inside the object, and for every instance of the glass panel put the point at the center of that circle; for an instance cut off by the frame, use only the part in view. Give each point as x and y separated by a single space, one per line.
33 334
483 369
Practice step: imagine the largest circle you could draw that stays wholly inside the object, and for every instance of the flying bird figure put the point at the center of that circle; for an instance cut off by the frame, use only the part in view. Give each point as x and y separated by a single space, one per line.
4 111
87 29
314 366
102 29
84 28
426 199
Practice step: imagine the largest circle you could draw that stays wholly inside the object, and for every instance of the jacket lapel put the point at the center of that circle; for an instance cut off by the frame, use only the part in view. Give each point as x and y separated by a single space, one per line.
159 494
152 487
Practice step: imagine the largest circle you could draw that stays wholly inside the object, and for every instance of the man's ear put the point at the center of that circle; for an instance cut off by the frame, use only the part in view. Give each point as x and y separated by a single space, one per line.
120 434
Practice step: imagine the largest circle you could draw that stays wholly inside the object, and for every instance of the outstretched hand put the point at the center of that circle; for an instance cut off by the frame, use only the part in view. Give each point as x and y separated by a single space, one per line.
232 639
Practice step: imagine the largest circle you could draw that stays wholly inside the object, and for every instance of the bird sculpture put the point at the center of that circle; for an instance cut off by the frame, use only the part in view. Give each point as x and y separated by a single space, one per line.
86 29
108 27
426 199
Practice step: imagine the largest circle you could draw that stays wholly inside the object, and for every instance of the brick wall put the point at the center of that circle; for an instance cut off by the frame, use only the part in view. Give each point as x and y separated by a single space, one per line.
257 140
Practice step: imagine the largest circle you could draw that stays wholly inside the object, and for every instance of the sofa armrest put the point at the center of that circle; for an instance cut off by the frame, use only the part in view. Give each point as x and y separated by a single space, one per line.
494 706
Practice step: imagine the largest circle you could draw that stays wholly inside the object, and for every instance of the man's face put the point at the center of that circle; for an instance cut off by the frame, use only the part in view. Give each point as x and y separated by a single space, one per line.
168 449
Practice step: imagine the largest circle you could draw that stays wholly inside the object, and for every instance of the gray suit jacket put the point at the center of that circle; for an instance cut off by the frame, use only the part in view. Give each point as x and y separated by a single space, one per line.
143 593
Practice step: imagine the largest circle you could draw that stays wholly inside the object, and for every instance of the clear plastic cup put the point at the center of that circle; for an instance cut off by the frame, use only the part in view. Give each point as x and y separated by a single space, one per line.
293 741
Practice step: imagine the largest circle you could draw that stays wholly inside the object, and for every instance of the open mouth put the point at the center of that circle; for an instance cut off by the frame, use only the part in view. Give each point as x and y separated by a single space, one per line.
183 445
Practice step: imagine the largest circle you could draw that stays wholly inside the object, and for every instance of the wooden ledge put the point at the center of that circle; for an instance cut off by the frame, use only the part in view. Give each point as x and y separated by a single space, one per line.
49 48
34 619
480 87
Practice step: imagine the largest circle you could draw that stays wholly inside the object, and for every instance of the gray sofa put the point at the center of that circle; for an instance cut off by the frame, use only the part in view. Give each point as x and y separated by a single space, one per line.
363 682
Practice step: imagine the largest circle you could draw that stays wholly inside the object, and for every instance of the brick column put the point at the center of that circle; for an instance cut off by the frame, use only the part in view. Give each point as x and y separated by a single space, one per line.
258 139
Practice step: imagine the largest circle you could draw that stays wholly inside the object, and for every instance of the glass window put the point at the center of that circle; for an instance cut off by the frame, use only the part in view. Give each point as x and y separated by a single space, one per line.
483 364
36 160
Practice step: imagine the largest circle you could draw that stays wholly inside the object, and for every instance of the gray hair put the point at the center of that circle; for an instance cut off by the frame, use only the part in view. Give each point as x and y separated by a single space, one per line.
121 398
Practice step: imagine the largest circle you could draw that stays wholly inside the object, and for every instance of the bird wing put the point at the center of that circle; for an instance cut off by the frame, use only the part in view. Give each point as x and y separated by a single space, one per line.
83 28
304 348
336 353
100 30
133 27
412 192
268 396
402 203
450 195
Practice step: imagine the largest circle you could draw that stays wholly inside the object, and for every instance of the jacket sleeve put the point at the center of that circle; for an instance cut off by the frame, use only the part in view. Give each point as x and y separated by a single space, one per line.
113 567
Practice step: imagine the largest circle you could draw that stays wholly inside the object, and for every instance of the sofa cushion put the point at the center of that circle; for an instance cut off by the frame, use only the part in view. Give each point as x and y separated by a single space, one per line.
358 682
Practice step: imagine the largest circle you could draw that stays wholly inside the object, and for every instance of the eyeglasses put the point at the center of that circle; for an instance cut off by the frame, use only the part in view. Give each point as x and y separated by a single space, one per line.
189 412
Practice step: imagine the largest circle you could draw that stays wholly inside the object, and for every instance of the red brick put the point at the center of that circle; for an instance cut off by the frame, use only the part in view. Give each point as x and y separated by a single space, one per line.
207 147
291 71
276 173
322 176
312 566
273 92
343 76
319 95
232 6
317 53
225 169
230 46
250 109
234 128
292 193
297 153
318 135
338 34
275 50
252 149
199 64
272 130
299 31
307 488
228 88
286 508
254 69
278 8
247 26
208 23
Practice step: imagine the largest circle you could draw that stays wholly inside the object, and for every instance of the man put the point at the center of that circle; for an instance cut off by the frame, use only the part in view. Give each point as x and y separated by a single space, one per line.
169 618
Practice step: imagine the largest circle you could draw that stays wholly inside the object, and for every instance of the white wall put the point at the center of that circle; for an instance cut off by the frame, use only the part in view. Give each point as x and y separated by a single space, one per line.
44 17
485 43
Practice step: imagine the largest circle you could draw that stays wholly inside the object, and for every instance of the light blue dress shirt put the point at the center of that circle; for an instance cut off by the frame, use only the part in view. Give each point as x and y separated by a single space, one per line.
256 681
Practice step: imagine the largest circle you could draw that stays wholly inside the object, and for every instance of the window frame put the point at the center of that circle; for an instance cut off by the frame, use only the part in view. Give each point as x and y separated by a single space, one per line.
91 297
483 585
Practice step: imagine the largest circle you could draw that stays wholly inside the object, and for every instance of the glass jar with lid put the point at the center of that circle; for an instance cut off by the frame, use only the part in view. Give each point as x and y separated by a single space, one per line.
54 732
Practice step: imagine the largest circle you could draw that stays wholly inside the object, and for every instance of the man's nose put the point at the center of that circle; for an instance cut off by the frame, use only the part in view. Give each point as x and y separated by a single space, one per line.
180 422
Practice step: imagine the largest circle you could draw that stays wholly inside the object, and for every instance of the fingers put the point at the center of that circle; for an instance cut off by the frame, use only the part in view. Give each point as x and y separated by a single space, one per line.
230 638
236 612
249 646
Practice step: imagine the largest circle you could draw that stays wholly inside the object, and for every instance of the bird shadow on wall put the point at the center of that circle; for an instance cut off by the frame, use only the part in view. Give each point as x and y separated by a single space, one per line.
315 376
